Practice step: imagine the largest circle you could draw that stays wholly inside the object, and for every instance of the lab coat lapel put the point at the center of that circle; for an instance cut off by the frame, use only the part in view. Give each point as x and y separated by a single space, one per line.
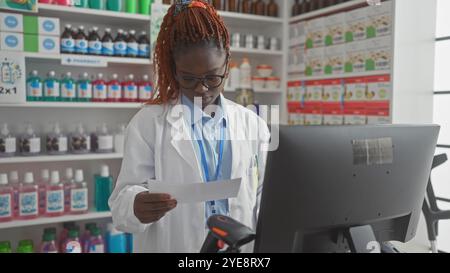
237 136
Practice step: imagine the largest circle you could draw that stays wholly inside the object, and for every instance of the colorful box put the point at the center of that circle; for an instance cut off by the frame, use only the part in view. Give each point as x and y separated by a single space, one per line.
19 5
379 88
355 25
333 93
379 54
48 26
356 116
313 94
30 24
355 57
11 22
379 21
313 116
335 29
334 60
355 92
333 116
11 41
378 116
315 33
315 62
31 43
49 44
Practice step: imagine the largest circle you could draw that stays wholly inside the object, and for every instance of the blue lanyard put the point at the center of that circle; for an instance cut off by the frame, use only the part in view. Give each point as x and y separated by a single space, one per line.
203 155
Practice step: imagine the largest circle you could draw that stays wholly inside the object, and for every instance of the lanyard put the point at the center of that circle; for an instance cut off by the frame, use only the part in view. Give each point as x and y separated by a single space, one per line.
203 155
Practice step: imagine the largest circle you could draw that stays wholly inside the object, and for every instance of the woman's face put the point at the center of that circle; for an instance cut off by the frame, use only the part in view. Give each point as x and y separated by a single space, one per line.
207 63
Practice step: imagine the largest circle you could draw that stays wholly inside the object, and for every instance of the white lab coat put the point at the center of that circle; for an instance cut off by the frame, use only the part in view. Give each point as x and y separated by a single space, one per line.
151 153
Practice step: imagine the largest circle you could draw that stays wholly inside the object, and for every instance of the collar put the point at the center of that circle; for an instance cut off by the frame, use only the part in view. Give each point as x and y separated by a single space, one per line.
196 112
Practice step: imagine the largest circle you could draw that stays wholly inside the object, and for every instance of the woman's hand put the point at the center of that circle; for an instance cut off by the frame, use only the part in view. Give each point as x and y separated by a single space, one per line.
150 207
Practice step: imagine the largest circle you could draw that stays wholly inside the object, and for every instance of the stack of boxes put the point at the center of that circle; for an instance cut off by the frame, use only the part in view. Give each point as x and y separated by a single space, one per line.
27 33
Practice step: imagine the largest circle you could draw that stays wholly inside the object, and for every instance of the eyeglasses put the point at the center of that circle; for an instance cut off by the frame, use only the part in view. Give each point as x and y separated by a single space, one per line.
209 81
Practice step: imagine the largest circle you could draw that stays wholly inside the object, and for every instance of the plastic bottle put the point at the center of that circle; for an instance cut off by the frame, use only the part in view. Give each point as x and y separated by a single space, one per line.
81 3
72 243
64 235
120 45
132 45
114 89
107 43
119 139
94 42
6 199
245 74
129 237
69 184
5 247
51 87
145 6
84 239
81 43
68 88
48 243
114 5
80 142
7 142
105 143
103 189
14 182
129 88
34 87
55 196
144 45
116 241
79 194
234 77
96 243
96 4
25 246
42 190
28 198
56 141
145 89
67 41
29 143
131 6
99 85
84 88
62 2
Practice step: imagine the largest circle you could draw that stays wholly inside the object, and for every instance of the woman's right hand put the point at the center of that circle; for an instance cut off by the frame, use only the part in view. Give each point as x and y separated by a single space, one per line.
150 207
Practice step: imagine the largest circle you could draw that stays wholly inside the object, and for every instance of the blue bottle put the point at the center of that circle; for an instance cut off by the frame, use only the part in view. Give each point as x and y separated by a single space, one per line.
103 189
116 241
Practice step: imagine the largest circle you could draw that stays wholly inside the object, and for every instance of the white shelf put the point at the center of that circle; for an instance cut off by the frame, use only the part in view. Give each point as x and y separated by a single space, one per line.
59 158
89 105
75 14
55 220
108 60
328 10
257 51
258 91
294 76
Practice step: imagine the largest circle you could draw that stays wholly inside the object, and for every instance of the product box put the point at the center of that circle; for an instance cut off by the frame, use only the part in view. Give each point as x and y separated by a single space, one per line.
377 116
299 65
355 57
296 91
355 92
334 60
315 33
315 62
19 5
48 26
355 116
379 20
379 88
379 54
31 42
335 29
355 25
313 94
30 24
297 34
11 22
11 41
333 92
49 44
333 116
312 116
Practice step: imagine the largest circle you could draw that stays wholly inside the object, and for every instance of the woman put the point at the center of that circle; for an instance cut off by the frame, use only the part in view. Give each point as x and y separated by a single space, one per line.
189 133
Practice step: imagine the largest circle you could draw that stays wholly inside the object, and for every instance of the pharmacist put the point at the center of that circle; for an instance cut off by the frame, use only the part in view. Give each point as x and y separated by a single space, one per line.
225 142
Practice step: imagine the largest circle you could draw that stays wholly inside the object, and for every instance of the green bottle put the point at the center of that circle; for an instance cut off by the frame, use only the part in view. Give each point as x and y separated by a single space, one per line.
131 6
84 88
25 246
81 3
68 88
34 87
103 189
5 247
96 4
51 88
145 7
114 5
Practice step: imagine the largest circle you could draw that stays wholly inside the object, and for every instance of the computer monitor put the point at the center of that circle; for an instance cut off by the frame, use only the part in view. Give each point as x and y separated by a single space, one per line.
344 188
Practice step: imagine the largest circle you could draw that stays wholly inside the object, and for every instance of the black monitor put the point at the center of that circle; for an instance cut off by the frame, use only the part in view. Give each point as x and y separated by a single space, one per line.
344 188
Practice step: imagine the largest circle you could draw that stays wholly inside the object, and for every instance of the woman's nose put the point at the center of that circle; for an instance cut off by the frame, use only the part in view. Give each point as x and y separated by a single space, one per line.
200 88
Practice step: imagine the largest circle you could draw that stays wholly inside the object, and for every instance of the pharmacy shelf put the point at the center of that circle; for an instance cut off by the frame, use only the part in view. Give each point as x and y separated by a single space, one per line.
258 91
329 10
76 105
74 14
295 77
108 60
265 52
59 158
54 220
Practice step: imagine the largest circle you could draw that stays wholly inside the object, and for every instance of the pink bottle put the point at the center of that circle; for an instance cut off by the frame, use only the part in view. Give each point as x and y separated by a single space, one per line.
79 195
129 89
42 189
145 89
96 243
28 198
6 199
46 1
14 182
68 186
99 87
72 243
114 89
54 196
48 244
63 2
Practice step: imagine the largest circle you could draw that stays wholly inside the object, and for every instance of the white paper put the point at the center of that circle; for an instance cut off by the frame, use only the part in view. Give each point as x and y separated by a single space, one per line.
198 192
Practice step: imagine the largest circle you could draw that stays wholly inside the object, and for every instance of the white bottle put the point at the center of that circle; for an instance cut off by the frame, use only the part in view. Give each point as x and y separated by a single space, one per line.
7 142
105 140
30 143
234 76
54 196
119 139
14 181
56 141
246 74
28 198
79 194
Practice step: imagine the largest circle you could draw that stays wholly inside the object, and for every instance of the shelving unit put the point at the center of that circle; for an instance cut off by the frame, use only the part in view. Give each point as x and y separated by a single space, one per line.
294 76
80 105
112 60
59 158
329 10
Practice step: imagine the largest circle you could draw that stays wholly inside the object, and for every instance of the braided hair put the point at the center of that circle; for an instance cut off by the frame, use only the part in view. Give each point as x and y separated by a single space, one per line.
185 25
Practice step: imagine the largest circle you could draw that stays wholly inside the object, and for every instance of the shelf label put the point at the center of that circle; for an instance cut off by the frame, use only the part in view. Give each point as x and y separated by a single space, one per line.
12 77
83 61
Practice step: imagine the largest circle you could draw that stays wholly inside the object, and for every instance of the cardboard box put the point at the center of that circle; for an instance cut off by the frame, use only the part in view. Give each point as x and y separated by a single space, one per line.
30 24
355 25
355 91
333 116
23 6
335 29
31 43
49 44
334 60
355 116
355 57
379 88
298 60
379 54
379 21
315 33
333 92
315 62
377 116
313 116
297 34
313 94
11 22
11 41
48 26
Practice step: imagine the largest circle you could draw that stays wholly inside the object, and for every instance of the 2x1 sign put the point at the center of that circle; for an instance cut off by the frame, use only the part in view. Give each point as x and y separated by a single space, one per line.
12 78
